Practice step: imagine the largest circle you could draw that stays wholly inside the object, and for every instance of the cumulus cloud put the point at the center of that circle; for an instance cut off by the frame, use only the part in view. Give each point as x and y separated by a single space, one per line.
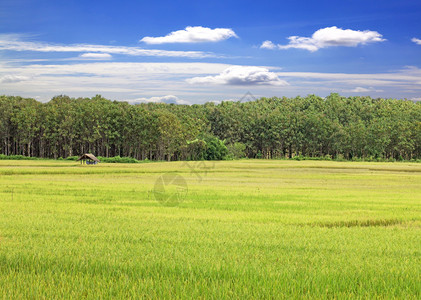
13 78
329 37
416 41
98 56
15 43
168 99
241 75
196 34
268 45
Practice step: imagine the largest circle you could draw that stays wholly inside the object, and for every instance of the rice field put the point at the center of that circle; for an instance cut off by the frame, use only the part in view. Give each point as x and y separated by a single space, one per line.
211 230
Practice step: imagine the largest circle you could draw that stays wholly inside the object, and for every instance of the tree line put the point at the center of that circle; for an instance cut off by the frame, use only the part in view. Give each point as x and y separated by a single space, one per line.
332 127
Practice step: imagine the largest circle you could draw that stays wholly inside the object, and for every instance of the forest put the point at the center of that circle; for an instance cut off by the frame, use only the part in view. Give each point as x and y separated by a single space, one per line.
334 127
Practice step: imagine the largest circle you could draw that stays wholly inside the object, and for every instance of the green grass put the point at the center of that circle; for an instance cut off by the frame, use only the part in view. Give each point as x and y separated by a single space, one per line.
243 229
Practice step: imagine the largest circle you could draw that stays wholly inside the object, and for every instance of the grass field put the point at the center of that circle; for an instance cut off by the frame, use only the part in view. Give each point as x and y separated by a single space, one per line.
237 229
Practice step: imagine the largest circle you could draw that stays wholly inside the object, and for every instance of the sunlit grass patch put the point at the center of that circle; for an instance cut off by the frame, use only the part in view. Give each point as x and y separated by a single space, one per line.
244 229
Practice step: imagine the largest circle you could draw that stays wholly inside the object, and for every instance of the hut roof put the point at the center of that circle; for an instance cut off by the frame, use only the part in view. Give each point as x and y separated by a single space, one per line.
88 156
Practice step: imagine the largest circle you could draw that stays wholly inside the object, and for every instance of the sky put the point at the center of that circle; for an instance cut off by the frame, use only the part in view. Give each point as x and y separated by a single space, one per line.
192 52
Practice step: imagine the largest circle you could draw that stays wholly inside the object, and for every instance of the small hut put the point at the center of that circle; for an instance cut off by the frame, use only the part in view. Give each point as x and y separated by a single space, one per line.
89 159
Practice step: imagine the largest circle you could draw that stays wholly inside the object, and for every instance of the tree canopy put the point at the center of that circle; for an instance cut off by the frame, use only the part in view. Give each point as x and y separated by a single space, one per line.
335 126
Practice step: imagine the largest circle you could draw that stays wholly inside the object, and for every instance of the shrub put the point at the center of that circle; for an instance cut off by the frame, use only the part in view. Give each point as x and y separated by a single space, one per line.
17 157
216 149
73 158
118 159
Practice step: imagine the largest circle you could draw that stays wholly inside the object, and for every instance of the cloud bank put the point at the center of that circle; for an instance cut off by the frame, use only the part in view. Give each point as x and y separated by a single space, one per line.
194 82
328 37
13 78
241 75
197 34
15 43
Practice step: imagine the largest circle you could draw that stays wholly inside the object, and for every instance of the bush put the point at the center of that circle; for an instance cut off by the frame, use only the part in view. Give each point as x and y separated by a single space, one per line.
118 159
17 157
216 149
73 158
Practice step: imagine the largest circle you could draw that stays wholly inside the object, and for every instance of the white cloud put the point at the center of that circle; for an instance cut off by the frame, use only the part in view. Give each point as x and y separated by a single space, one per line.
13 78
13 42
416 41
196 34
407 76
268 45
129 80
359 89
99 56
115 80
169 99
241 75
329 37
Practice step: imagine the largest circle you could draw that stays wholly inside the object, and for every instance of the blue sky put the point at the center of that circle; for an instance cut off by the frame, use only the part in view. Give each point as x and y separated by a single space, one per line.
197 51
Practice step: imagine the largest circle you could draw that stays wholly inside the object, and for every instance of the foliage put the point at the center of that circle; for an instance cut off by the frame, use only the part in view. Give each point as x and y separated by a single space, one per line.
236 150
215 148
72 158
118 159
16 157
336 127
